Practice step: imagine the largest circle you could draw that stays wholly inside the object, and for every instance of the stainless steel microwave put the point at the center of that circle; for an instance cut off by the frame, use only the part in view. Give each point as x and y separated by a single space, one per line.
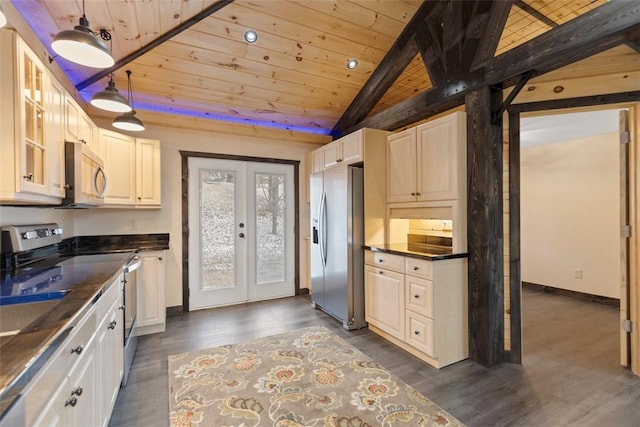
86 180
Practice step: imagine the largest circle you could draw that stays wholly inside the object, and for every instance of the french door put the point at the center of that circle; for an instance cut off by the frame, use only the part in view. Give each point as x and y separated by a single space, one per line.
241 231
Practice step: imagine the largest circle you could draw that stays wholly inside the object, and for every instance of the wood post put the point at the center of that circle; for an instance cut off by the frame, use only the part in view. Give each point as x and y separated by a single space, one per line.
485 226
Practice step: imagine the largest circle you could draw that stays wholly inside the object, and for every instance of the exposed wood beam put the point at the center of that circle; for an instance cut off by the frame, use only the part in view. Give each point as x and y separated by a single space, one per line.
392 65
492 31
208 11
535 13
509 99
596 31
582 101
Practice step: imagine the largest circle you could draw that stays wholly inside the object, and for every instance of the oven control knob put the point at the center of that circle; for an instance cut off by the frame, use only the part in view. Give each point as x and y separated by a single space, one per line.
56 231
28 235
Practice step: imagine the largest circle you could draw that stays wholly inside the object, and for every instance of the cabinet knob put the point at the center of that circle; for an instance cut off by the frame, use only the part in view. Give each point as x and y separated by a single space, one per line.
139 198
416 296
241 235
415 268
381 260
413 194
416 332
77 350
28 177
121 307
159 258
112 324
77 391
380 272
71 402
417 194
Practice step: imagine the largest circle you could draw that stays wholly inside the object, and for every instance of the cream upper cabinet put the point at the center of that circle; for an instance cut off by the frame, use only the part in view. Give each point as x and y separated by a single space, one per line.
132 166
441 148
317 160
27 163
55 136
428 162
401 166
347 150
119 155
147 172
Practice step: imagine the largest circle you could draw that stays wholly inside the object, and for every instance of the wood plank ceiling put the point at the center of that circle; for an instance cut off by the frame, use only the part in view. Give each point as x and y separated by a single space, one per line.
294 77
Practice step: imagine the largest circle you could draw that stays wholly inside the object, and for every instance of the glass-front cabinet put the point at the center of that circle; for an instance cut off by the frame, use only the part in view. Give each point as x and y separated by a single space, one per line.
29 145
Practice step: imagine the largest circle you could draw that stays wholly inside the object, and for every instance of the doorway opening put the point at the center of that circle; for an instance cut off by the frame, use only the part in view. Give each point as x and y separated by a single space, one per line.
240 225
570 239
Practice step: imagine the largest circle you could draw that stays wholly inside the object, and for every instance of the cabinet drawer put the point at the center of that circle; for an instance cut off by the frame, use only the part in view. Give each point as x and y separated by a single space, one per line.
419 267
419 296
383 260
420 333
42 387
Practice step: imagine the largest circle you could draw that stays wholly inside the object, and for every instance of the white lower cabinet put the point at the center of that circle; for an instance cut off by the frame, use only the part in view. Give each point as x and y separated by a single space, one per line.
151 315
80 382
419 305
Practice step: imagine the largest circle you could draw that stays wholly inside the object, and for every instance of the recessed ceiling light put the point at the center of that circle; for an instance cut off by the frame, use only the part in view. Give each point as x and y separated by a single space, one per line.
352 63
251 36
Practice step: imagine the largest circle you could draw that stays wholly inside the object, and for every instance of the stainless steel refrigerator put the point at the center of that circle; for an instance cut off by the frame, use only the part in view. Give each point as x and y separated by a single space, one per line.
337 229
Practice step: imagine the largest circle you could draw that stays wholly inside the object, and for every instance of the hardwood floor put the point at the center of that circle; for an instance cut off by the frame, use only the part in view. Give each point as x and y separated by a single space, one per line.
570 373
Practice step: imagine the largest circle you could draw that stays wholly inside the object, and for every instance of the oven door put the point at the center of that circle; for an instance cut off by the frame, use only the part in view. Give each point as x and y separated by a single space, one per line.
130 310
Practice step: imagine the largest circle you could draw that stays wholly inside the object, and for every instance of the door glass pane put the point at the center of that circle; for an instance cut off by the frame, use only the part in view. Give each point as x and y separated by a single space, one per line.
217 228
270 206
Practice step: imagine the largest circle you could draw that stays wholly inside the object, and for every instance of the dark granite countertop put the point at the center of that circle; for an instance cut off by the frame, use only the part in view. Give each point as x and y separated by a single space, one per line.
403 249
22 355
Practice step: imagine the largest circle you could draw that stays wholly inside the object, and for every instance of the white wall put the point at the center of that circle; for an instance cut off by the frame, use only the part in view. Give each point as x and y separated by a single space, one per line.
570 215
169 217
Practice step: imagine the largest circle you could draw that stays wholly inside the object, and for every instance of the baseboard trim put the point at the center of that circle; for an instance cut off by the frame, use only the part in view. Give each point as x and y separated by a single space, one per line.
303 291
614 302
174 310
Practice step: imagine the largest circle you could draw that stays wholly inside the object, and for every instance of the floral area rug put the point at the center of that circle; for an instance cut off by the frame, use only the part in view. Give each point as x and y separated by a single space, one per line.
308 377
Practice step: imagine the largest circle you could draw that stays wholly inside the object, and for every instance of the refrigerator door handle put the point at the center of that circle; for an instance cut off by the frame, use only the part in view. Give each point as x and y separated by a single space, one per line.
322 229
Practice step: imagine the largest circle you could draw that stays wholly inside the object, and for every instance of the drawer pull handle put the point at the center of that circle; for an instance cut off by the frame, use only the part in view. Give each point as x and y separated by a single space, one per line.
71 402
415 268
77 392
78 349
416 332
416 296
112 324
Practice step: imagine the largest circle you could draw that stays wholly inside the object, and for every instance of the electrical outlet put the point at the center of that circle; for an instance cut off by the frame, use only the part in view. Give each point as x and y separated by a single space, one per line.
578 273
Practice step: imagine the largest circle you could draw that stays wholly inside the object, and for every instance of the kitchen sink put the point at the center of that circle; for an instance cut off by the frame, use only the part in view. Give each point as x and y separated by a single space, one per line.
15 317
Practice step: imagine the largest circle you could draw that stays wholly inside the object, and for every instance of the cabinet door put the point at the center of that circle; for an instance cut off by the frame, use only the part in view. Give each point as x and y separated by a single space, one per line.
438 154
384 300
331 154
53 414
82 391
351 147
148 172
151 291
72 119
317 160
401 166
34 156
119 163
110 363
55 136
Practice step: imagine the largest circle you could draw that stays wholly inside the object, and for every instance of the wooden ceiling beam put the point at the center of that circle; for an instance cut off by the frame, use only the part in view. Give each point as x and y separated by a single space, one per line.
598 30
492 32
392 65
208 11
535 13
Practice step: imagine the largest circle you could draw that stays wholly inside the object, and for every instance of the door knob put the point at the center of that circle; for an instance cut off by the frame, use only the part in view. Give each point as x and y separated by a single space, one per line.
241 234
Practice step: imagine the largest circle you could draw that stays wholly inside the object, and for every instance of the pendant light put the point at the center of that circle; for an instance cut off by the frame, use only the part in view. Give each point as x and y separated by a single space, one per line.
110 99
82 46
129 121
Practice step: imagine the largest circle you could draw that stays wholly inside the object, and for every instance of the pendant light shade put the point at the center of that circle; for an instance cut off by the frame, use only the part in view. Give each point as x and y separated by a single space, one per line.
81 46
111 100
129 121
